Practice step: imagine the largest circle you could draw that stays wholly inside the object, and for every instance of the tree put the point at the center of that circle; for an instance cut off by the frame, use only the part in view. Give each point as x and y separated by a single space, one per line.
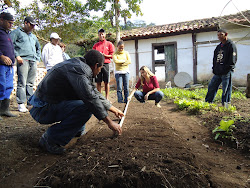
90 36
116 10
71 19
137 24
66 17
4 4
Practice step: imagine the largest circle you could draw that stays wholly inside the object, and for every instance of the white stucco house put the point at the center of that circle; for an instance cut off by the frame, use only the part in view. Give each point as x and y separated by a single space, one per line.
188 47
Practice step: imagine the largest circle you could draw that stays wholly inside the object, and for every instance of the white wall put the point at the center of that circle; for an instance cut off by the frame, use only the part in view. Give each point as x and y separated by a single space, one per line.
185 54
130 47
242 65
204 54
184 46
241 37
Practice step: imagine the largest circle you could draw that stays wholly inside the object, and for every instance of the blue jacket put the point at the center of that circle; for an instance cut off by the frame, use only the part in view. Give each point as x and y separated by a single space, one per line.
6 45
26 45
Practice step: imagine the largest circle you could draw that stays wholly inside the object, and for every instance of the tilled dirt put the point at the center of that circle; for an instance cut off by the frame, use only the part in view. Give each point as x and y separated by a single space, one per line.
159 147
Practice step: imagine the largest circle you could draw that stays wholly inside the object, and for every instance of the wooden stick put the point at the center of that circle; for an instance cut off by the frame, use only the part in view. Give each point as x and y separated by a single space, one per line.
125 111
94 166
46 168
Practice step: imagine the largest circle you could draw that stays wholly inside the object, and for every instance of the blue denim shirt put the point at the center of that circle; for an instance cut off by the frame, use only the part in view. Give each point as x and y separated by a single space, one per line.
26 45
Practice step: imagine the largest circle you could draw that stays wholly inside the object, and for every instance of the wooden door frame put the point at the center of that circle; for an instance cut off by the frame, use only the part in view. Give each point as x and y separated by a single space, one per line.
164 44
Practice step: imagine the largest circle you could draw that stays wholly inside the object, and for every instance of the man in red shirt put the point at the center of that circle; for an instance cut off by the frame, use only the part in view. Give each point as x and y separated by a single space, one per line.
107 49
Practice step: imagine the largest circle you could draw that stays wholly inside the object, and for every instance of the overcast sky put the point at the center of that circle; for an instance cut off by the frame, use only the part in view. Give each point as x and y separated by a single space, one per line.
172 11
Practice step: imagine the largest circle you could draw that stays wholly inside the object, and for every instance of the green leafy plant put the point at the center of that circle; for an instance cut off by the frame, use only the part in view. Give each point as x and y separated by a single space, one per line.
197 94
229 109
193 100
192 106
198 106
225 130
182 104
237 118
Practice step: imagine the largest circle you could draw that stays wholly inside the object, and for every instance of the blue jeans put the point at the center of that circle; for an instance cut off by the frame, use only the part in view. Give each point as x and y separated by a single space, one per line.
157 96
26 79
214 84
122 80
6 81
69 118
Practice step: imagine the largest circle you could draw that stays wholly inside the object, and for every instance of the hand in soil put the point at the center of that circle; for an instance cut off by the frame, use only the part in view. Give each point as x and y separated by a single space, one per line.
115 127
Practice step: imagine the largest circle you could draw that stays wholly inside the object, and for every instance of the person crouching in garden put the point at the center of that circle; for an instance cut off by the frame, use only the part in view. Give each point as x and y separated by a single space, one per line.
67 98
150 85
122 61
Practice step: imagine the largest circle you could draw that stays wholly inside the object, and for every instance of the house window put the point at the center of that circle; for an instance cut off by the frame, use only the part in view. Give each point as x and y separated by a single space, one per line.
159 55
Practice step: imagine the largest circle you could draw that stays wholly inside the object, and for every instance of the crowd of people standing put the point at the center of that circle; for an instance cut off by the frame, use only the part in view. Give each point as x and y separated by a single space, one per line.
22 46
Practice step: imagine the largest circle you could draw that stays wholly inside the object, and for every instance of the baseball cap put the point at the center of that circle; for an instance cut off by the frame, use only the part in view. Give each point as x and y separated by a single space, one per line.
30 20
101 31
222 30
54 36
6 16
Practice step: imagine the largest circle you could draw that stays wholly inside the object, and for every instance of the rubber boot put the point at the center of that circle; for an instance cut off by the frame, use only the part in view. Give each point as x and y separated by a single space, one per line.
4 110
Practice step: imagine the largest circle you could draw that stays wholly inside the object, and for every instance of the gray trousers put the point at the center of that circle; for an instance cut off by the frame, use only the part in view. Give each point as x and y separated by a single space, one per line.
26 79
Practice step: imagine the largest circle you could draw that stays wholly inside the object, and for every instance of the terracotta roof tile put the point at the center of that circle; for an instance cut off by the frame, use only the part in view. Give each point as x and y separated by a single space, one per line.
185 27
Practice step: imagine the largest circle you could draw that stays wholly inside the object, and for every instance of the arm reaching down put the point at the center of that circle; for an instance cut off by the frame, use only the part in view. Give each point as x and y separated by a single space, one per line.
115 127
118 113
132 93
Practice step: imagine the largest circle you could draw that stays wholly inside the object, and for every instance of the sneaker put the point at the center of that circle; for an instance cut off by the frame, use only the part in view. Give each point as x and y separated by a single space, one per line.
158 105
49 146
22 108
80 133
227 105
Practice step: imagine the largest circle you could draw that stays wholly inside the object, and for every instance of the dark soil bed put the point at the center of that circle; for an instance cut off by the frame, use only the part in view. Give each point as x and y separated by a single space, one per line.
159 147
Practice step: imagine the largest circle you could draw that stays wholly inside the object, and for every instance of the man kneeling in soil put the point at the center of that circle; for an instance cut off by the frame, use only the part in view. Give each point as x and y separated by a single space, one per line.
67 97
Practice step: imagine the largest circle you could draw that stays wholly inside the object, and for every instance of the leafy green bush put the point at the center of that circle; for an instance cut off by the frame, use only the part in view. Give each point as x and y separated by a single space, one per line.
200 93
197 106
225 130
237 118
193 106
193 100
229 109
238 95
177 93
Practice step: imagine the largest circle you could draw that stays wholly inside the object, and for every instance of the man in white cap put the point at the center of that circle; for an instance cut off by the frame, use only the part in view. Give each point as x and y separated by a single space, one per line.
52 53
